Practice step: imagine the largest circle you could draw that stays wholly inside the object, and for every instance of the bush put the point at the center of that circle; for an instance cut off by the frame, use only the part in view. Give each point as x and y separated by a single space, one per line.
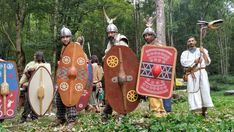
227 79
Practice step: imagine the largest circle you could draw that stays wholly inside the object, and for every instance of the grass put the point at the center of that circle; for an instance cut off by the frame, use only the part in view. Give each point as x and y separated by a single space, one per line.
221 118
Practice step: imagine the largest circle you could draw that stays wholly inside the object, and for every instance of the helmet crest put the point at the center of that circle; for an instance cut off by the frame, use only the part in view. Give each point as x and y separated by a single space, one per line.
111 27
149 23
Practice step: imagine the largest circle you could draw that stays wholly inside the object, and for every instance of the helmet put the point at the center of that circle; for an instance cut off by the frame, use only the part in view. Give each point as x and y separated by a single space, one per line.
65 32
111 28
149 30
120 37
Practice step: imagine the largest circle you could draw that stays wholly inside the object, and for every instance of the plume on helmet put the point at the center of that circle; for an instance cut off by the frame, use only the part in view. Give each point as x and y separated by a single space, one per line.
149 23
109 20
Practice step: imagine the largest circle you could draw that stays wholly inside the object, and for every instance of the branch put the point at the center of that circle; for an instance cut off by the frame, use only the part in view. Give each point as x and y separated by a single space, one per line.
8 36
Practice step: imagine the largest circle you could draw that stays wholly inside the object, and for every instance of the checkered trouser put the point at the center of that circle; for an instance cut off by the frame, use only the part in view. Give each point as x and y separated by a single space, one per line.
64 112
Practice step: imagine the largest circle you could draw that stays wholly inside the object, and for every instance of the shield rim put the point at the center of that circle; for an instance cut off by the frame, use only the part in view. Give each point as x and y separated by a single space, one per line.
173 71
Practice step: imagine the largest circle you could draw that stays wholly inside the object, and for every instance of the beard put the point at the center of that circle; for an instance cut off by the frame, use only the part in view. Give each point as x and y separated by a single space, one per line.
111 39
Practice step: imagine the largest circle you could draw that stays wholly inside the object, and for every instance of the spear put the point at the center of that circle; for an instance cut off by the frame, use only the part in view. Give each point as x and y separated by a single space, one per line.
89 50
207 25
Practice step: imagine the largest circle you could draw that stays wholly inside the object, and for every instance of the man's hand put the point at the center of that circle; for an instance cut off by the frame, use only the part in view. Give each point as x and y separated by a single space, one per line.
198 60
202 50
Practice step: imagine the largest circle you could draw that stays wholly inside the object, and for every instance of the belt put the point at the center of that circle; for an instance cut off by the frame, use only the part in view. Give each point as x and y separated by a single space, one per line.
195 70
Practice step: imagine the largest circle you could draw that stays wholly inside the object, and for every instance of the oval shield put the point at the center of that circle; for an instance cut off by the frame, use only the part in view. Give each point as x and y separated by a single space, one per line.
9 89
72 74
41 90
120 72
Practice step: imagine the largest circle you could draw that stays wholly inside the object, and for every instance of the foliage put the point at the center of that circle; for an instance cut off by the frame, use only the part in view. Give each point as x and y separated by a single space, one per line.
86 17
220 118
219 82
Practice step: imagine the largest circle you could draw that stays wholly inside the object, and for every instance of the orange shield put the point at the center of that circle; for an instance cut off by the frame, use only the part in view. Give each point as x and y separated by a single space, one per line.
72 74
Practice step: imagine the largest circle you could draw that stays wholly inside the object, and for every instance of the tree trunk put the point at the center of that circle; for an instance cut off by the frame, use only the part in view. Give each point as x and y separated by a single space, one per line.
137 25
171 24
221 56
54 62
226 54
20 15
160 21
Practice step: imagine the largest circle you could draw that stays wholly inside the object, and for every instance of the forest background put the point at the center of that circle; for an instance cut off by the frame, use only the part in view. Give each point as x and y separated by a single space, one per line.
27 26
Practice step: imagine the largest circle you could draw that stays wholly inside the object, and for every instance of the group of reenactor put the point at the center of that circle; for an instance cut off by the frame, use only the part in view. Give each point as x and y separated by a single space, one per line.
78 78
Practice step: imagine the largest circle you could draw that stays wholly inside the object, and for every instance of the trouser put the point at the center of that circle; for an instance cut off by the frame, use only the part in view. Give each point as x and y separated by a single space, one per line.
156 104
28 110
167 104
65 113
108 109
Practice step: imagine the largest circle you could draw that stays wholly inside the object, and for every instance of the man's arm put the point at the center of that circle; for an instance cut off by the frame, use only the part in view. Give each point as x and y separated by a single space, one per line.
205 55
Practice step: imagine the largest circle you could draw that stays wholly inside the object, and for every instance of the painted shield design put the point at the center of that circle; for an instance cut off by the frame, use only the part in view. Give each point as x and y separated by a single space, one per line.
120 72
84 99
156 71
41 90
72 74
9 89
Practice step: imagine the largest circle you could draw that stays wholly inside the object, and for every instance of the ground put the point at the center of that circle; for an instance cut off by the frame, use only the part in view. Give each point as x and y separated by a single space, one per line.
220 118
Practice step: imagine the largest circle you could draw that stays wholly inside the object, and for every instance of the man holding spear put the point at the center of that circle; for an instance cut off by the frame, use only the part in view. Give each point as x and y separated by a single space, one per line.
195 60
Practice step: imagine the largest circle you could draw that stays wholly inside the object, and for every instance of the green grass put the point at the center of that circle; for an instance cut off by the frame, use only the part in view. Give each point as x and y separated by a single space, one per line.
221 118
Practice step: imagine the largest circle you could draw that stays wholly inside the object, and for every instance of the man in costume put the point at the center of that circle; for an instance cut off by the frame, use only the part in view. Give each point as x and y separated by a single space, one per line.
64 114
156 104
195 61
114 38
28 71
97 78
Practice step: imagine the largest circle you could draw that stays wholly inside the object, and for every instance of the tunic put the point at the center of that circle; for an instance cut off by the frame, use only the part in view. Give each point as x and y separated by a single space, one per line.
198 85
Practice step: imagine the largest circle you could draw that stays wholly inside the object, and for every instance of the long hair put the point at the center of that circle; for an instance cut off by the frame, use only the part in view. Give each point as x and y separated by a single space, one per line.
94 59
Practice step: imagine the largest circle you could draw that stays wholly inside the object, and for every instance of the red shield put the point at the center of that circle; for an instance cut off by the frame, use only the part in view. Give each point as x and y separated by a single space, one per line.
120 72
152 80
84 99
9 89
72 74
